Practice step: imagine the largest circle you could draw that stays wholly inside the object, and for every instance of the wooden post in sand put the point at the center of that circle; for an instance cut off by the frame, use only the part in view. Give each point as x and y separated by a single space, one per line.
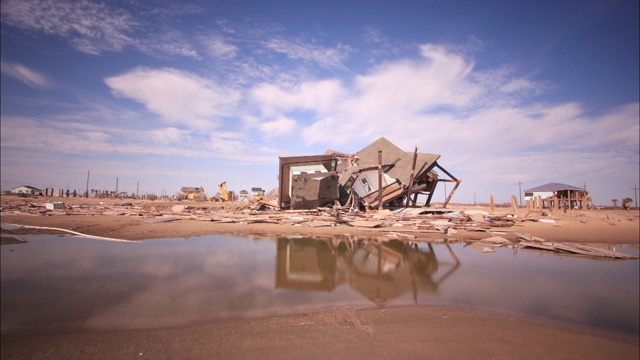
413 170
491 202
379 179
514 205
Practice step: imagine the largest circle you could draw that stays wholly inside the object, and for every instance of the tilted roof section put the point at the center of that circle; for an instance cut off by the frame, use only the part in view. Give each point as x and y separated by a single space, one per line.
391 154
554 187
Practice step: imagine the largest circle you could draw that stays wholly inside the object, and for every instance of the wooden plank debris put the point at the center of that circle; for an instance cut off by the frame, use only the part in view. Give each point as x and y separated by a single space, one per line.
400 235
162 219
495 241
577 249
365 223
527 237
318 223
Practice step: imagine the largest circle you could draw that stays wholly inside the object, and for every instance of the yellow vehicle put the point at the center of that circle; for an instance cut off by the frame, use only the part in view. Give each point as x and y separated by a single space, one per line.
224 194
258 194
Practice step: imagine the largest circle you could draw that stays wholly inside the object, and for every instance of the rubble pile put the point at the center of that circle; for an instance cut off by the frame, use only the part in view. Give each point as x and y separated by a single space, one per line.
418 220
405 223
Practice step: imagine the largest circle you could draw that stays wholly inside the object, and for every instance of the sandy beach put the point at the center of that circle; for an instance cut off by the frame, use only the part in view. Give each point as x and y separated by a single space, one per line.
402 332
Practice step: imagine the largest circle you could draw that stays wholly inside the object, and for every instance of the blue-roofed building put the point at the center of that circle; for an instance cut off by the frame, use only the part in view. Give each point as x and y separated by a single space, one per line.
557 195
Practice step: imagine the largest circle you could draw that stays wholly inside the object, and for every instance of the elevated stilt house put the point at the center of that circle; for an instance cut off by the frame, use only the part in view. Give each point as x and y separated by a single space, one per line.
557 196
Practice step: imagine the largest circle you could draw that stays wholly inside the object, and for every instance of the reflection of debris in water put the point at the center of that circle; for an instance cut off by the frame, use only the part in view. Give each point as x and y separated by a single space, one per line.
381 271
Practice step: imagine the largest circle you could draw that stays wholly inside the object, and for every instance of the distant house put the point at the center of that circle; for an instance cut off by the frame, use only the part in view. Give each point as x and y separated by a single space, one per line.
557 195
26 190
244 195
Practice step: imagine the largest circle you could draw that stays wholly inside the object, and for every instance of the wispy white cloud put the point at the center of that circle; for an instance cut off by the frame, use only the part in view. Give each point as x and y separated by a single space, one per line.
519 85
278 127
328 57
318 96
96 27
72 138
91 27
25 75
170 135
371 34
218 48
398 91
383 48
167 43
178 97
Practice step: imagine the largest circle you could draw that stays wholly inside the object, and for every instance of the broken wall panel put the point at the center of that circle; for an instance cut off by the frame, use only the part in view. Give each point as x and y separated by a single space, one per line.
389 193
310 191
294 164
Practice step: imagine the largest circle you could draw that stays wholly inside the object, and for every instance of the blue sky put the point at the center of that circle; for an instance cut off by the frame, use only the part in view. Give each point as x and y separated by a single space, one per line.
165 94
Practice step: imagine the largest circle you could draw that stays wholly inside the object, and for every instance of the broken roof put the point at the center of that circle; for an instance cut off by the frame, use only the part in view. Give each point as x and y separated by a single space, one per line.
391 154
554 187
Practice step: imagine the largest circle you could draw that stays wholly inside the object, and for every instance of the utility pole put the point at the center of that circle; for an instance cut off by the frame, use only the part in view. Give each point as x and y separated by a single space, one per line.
137 188
86 194
116 187
635 194
520 191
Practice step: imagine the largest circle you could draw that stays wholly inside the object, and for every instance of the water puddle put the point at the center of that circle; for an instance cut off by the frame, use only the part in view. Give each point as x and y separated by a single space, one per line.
60 283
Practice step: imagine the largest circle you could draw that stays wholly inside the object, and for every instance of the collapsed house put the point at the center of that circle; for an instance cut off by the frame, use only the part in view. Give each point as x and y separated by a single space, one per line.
379 175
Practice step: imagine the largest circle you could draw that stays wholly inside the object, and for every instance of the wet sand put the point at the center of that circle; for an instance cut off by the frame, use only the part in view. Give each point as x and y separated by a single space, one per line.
399 332
402 333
